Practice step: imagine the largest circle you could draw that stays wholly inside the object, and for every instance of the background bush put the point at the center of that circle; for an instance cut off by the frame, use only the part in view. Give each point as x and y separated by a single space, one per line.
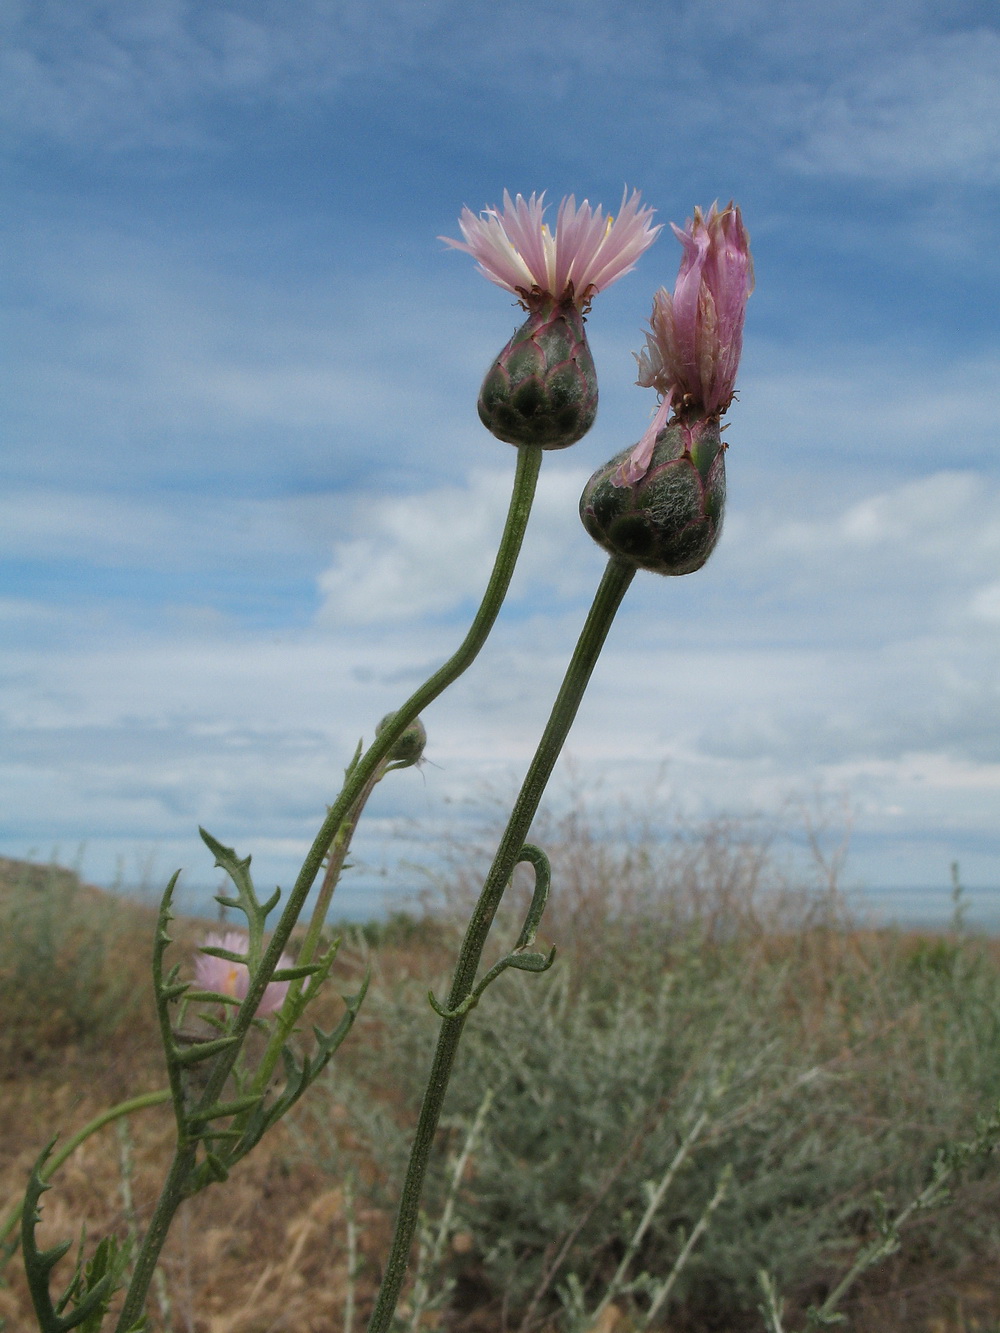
74 963
831 1061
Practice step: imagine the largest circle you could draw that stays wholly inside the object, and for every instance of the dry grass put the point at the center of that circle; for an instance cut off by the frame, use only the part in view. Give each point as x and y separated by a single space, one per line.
268 1252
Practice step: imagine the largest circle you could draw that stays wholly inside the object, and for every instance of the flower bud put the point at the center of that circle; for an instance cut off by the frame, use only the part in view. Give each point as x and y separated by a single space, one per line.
668 520
542 388
409 749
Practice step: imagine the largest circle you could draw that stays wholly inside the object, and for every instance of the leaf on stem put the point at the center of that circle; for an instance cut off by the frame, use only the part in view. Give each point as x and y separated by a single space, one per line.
238 871
85 1300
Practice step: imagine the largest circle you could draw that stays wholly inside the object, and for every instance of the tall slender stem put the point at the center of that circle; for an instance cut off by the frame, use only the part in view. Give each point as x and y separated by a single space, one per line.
529 461
339 848
612 589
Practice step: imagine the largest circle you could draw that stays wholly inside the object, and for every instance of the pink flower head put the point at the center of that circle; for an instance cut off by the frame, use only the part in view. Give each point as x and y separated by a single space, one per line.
693 348
586 253
228 978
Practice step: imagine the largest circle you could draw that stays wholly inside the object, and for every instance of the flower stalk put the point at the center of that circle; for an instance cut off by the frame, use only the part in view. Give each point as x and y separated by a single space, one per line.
617 577
525 481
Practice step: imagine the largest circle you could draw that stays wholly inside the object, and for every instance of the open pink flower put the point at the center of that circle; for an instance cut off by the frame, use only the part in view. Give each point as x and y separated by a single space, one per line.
229 978
584 254
693 348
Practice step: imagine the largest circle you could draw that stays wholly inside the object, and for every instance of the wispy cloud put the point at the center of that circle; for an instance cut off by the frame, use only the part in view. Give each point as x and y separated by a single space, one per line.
930 112
430 553
860 646
887 95
129 73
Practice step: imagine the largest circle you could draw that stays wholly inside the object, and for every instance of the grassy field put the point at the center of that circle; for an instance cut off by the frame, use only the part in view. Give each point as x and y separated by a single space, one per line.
717 1053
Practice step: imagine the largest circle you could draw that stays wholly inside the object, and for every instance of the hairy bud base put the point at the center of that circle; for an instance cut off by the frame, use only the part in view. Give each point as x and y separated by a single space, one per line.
670 519
542 388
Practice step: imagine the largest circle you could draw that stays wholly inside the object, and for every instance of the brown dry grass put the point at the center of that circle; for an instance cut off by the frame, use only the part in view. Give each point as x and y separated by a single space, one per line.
267 1252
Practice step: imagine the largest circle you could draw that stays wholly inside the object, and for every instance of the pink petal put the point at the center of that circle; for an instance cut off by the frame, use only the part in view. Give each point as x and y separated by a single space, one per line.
586 253
635 467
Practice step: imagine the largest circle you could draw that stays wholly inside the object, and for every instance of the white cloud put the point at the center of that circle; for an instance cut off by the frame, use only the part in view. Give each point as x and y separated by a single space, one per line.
985 603
924 112
849 648
856 91
132 71
427 554
948 522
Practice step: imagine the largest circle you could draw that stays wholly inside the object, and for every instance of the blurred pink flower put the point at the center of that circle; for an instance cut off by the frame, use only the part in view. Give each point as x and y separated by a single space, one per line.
228 978
584 254
693 348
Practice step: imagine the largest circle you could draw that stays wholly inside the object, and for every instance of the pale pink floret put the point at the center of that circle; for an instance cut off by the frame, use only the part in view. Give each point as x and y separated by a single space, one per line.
693 348
228 978
583 255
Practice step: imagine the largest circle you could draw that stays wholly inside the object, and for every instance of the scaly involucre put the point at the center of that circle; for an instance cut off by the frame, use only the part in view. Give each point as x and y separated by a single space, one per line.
693 348
583 255
228 978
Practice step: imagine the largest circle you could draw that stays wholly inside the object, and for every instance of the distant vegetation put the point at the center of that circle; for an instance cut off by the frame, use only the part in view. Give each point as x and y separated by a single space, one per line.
702 1007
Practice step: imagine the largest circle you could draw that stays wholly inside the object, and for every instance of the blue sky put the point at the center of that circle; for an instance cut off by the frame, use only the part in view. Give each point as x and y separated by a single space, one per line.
247 502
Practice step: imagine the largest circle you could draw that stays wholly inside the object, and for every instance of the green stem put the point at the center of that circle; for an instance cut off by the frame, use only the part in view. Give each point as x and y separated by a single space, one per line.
70 1146
156 1233
334 866
529 461
613 587
289 1013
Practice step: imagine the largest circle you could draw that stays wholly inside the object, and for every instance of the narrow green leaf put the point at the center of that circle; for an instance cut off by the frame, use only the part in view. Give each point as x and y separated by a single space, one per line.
215 996
533 962
216 1166
219 1109
294 973
236 868
202 1050
175 991
228 955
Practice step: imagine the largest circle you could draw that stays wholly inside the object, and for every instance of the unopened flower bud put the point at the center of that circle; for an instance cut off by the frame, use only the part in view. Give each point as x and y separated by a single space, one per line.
542 388
669 520
409 749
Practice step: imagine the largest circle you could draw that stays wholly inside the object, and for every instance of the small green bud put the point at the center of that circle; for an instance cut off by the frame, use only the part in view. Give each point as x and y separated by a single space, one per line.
668 520
409 749
542 388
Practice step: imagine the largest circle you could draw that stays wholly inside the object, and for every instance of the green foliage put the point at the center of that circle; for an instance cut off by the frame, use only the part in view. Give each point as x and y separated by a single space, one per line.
823 1063
85 1300
248 1113
398 930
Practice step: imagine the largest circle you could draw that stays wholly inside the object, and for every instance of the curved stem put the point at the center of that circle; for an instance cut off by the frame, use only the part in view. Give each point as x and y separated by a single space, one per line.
529 461
287 1016
612 589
